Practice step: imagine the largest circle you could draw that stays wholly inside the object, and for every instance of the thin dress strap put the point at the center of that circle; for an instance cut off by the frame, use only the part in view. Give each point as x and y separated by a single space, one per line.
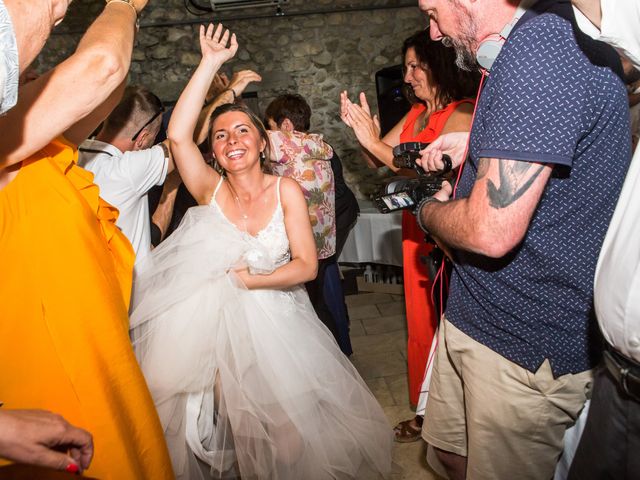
213 197
278 190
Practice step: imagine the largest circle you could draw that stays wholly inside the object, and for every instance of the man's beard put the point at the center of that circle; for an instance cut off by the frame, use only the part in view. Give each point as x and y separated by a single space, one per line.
463 45
465 59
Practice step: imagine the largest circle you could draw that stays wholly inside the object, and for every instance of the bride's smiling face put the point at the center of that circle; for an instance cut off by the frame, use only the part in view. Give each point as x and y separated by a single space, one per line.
236 141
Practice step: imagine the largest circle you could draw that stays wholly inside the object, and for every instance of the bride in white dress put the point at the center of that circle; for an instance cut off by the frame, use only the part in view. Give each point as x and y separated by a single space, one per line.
247 381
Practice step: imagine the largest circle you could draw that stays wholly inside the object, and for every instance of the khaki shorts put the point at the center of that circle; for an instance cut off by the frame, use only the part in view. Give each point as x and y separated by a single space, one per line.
507 421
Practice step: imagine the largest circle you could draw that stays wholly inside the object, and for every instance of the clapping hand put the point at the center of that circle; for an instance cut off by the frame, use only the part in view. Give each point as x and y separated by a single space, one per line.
216 45
344 108
358 117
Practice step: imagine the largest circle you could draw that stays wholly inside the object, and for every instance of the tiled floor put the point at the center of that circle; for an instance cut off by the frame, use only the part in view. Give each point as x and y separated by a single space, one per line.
379 340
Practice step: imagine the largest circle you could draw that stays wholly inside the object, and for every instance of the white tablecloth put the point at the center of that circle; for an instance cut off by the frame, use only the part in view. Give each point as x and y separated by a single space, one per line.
376 237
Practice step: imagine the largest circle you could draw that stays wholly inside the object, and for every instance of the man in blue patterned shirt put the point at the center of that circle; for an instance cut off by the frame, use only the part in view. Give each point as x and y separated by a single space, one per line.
548 152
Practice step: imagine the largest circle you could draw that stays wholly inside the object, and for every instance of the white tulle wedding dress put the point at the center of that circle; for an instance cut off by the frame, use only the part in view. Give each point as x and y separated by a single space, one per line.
248 383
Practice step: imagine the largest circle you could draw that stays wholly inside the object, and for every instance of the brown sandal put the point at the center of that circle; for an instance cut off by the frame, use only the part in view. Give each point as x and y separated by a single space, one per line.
407 433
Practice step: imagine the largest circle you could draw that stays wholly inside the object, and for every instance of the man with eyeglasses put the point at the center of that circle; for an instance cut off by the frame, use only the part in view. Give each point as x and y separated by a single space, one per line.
127 164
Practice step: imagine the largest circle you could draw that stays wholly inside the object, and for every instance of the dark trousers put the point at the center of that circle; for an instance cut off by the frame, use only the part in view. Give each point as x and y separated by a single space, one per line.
315 289
610 444
325 292
346 217
334 298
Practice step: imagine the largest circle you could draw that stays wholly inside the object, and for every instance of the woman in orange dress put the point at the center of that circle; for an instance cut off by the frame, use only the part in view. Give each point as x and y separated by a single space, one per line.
66 267
439 92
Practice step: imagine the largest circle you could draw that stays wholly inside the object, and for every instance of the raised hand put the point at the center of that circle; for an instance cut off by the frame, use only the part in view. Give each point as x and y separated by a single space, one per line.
358 117
240 80
365 127
217 45
344 108
365 106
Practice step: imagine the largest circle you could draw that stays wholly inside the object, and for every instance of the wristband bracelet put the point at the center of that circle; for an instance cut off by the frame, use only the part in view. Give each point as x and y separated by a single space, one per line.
130 3
419 213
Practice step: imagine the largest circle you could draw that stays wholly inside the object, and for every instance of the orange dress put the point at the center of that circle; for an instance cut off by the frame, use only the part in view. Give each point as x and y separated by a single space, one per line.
422 320
64 297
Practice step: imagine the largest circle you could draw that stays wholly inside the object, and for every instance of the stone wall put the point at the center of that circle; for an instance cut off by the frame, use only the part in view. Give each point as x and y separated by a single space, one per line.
315 54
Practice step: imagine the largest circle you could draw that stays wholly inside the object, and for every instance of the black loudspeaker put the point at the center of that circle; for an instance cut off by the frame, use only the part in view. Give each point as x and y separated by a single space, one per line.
392 105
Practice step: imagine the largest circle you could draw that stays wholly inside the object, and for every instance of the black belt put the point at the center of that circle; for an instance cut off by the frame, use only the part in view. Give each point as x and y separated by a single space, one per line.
626 372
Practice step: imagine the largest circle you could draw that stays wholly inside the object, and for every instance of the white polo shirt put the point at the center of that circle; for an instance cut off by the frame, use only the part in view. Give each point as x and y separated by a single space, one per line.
124 180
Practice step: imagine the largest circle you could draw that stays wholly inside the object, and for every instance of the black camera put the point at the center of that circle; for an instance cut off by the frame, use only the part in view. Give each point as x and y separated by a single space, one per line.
404 192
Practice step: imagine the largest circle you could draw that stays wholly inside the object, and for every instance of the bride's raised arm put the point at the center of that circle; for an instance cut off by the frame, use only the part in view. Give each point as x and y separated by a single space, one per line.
217 46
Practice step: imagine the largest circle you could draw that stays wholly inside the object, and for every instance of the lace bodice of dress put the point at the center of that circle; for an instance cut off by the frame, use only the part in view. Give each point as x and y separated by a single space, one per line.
273 237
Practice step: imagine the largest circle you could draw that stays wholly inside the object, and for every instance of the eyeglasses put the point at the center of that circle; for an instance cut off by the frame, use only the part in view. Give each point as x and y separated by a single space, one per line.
158 113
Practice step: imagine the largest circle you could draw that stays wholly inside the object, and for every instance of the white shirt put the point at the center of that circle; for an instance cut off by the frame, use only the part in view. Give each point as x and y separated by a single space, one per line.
585 24
124 180
620 27
617 281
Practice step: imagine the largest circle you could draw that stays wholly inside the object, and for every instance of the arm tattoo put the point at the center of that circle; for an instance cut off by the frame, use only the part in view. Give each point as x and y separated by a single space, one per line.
513 181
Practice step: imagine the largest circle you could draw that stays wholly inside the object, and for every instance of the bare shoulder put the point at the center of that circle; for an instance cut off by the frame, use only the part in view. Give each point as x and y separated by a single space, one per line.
290 192
465 108
288 186
460 118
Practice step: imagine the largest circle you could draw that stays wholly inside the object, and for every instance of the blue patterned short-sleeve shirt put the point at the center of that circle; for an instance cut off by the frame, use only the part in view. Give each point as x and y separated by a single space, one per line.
9 67
545 102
